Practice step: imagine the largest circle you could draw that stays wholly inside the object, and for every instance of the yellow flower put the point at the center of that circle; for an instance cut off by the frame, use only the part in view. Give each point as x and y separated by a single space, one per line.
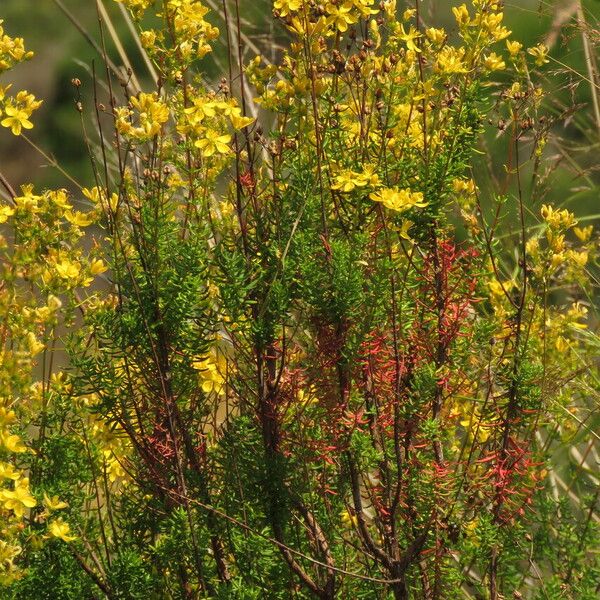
390 8
340 16
364 7
19 499
557 218
68 269
404 229
493 62
54 303
97 267
540 53
28 201
201 109
532 246
60 198
78 218
398 200
212 143
348 519
464 186
59 529
148 38
8 553
16 119
212 369
12 443
152 114
450 60
308 396
437 36
513 47
7 416
7 471
114 469
136 6
375 33
579 259
562 344
410 37
5 212
33 344
349 180
461 14
583 233
54 503
239 121
306 28
493 23
284 7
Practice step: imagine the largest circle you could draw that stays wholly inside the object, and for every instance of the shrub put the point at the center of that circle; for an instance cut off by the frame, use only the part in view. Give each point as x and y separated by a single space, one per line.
294 346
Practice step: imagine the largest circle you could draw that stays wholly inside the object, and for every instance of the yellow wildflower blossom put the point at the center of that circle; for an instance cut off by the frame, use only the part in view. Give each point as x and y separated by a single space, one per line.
68 269
137 7
285 7
33 344
212 369
583 233
437 36
562 344
5 212
493 62
7 416
28 201
340 16
16 119
492 22
60 198
461 14
97 267
399 200
78 218
513 47
148 39
8 553
348 519
347 181
53 503
12 443
239 121
364 7
579 259
540 53
60 529
450 60
18 499
409 37
8 471
464 186
404 229
558 218
213 142
152 114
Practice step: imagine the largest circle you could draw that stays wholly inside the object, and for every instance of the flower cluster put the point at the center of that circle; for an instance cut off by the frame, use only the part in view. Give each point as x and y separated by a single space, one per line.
15 111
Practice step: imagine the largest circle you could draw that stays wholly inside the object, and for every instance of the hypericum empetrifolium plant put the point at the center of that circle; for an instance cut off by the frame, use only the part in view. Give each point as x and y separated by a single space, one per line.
303 351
